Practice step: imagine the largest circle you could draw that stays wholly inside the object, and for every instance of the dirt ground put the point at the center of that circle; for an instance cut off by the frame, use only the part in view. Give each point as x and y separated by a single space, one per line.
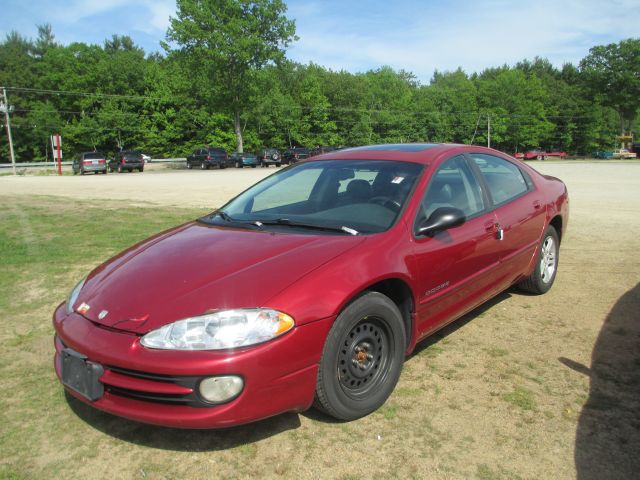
524 387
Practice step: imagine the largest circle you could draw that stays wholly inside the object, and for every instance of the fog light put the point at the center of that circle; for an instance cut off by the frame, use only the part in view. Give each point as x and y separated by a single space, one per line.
220 389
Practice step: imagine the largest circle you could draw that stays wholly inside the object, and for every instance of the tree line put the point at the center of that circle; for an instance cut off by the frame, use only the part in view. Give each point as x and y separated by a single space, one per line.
224 80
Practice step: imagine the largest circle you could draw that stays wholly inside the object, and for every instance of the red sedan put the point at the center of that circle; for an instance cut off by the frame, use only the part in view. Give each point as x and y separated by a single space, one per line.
309 288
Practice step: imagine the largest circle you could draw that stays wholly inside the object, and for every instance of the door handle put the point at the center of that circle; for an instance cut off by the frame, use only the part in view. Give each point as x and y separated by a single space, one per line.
537 204
499 232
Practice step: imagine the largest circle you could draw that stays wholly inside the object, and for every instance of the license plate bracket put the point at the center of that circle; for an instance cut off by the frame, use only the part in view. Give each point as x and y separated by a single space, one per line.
81 375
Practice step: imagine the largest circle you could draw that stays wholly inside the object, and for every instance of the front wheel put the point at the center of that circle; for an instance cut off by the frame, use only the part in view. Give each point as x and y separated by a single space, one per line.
543 276
362 358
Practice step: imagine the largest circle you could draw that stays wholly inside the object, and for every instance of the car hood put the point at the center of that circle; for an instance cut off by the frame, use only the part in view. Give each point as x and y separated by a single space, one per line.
196 268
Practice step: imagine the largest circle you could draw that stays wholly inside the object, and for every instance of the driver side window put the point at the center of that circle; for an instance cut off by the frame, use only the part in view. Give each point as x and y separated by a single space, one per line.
452 185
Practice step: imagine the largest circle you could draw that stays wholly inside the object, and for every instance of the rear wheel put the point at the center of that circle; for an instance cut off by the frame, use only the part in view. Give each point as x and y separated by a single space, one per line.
362 358
543 276
141 169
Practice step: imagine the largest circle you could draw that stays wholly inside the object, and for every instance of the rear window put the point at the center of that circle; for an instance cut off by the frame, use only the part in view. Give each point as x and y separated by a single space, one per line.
94 155
217 150
132 155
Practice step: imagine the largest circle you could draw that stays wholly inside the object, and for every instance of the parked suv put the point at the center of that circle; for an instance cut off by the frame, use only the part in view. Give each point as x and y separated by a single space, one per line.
294 154
269 156
240 160
128 160
320 150
207 157
90 162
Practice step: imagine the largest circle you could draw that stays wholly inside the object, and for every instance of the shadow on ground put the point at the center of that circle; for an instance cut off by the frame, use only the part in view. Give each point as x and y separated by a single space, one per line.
608 435
182 440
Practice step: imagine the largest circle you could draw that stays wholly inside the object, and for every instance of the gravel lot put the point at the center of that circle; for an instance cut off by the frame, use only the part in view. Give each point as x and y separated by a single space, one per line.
525 387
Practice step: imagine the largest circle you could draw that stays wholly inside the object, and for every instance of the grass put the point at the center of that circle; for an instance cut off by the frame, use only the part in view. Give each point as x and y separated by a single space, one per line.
45 246
522 398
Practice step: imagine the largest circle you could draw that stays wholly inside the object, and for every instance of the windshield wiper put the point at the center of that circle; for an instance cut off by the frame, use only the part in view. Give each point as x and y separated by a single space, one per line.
227 218
314 226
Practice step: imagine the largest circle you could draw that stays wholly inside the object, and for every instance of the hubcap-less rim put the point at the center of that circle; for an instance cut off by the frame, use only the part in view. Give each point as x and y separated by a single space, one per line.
363 359
548 259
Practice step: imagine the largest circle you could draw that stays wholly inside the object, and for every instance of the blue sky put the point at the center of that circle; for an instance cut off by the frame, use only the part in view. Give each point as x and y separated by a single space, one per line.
357 35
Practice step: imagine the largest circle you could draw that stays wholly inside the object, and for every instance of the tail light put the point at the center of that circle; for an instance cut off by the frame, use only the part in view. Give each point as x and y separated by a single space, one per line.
208 157
86 162
102 161
122 161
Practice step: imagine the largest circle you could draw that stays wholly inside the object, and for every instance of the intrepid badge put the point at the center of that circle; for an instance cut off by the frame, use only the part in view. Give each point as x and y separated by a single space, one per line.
103 314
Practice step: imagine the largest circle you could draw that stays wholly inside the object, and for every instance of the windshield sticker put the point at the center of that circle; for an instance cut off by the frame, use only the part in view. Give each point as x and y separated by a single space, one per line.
397 180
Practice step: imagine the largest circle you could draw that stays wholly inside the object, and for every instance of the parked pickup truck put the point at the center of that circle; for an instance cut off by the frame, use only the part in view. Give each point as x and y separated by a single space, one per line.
624 153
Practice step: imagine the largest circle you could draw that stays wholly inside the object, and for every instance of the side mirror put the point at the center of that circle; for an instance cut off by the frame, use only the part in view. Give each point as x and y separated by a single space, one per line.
441 219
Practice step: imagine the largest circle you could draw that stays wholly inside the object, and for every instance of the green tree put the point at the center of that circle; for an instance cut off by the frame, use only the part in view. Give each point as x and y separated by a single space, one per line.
225 42
612 74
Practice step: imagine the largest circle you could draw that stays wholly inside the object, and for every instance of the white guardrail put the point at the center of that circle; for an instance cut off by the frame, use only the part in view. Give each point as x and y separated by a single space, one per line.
68 163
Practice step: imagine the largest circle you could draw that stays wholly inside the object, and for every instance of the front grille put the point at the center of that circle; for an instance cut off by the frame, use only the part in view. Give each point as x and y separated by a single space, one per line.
191 399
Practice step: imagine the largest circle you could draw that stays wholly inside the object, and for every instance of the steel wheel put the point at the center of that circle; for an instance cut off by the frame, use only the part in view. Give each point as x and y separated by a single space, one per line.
362 358
363 361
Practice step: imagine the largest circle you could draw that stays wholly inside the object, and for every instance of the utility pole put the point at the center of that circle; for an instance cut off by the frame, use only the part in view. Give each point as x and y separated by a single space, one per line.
6 108
488 130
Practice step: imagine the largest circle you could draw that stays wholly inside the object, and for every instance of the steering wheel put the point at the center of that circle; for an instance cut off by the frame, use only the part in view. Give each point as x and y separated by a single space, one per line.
385 202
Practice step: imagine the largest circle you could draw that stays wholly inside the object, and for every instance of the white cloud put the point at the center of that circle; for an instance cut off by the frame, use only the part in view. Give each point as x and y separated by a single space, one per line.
473 35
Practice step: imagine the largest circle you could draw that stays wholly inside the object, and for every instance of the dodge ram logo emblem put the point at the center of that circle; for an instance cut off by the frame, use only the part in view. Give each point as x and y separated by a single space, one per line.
102 314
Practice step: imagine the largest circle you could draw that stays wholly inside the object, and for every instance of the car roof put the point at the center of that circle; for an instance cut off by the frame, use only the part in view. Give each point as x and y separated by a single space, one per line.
423 153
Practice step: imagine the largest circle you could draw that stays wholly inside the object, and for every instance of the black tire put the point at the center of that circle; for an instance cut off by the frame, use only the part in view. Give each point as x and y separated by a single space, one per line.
362 358
141 169
75 172
253 166
189 166
541 280
278 164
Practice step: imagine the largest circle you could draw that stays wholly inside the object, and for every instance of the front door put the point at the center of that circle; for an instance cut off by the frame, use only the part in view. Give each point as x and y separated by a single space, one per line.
456 269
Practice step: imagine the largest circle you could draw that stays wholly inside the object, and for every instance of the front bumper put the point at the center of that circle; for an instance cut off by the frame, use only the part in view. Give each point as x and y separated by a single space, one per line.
160 386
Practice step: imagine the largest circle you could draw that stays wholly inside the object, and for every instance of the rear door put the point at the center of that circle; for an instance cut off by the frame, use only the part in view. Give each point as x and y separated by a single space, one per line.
456 269
519 210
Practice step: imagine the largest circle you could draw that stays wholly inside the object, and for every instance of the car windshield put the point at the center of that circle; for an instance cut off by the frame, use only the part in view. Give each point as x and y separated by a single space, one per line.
94 155
345 196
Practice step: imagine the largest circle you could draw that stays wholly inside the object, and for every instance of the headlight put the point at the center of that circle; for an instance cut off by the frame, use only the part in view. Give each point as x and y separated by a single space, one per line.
73 296
220 330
